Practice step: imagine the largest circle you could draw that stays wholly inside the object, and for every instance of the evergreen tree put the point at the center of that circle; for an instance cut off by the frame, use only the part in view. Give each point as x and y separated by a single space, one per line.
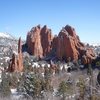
4 86
64 89
90 73
48 86
98 78
30 85
46 72
82 88
13 79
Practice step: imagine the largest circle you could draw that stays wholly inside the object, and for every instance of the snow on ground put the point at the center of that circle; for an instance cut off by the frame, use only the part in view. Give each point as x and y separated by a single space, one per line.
6 59
15 95
15 52
14 91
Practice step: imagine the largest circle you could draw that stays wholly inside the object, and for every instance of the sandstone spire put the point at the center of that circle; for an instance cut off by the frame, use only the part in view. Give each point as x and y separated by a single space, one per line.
20 58
16 62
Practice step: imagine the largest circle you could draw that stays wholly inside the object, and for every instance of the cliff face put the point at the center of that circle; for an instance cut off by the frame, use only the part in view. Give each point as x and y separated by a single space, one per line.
46 39
40 42
34 42
20 57
68 45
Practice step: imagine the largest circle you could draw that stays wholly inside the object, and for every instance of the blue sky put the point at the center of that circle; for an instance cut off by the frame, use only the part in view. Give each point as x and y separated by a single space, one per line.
17 17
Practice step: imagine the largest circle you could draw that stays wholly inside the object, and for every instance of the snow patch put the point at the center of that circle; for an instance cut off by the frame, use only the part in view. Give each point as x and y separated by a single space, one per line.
14 91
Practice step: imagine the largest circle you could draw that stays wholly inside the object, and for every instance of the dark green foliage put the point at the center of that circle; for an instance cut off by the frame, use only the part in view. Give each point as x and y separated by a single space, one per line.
89 70
46 72
82 88
65 88
4 86
30 85
98 78
13 79
47 85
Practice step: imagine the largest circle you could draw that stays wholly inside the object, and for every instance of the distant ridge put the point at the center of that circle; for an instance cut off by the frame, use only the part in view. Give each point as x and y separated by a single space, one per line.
6 35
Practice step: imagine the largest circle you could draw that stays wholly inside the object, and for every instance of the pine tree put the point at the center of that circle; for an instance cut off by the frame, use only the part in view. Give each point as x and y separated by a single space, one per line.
4 86
90 70
46 72
30 85
13 79
64 89
48 88
98 78
82 88
37 88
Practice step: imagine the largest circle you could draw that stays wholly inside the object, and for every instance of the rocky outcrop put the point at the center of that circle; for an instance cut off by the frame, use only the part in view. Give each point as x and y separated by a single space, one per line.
46 40
34 42
55 42
68 45
39 41
20 57
16 63
88 56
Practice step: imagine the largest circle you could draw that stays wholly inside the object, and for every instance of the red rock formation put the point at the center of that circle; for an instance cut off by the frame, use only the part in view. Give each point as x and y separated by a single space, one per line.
20 57
34 42
68 45
54 42
39 41
16 63
46 39
88 56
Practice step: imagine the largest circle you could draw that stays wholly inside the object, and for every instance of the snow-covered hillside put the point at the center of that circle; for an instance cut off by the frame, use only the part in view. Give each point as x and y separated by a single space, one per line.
7 39
6 35
8 46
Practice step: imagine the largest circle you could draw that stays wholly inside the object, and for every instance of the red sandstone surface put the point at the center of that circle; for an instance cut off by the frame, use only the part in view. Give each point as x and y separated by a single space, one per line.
16 63
40 42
